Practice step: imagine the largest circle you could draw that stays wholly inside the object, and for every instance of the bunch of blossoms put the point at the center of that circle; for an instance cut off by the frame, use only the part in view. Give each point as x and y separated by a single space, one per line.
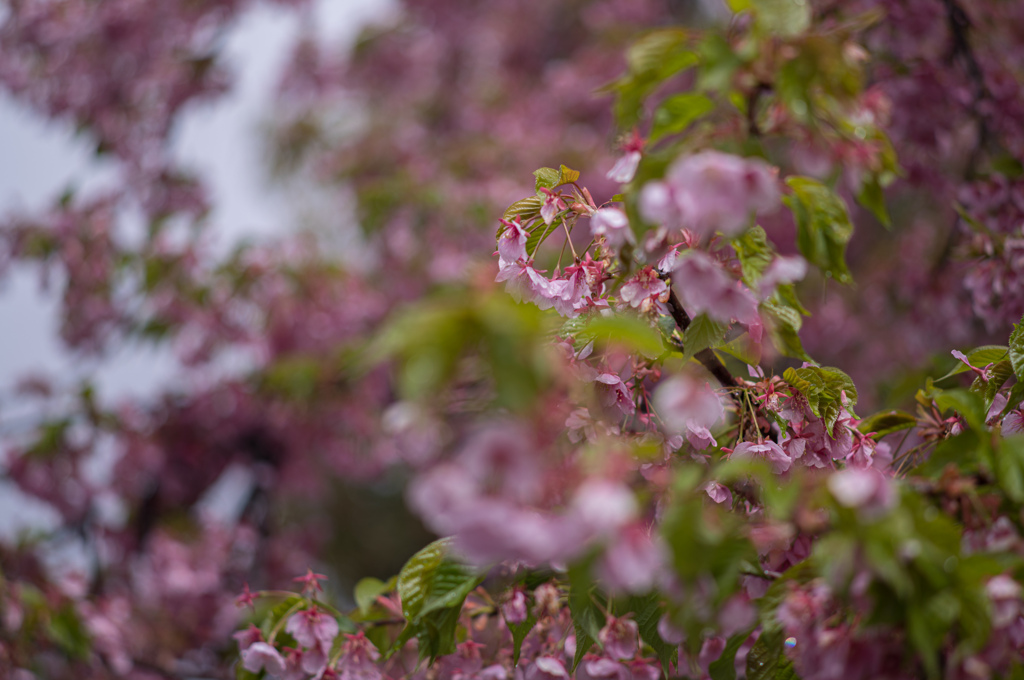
813 560
132 70
290 417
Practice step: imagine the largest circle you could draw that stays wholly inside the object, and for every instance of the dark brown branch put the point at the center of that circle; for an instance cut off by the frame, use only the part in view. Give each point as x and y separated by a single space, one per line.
706 357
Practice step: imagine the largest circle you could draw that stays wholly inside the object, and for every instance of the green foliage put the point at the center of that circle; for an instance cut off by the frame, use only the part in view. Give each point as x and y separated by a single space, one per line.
783 18
429 343
823 225
724 668
549 178
783 323
979 357
822 387
678 112
887 422
66 629
702 333
922 583
369 589
519 632
766 660
587 617
647 612
654 58
1016 350
525 209
627 331
432 588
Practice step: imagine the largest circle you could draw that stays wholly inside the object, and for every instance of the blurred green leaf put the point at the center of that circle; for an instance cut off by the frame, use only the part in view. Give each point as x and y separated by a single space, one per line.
676 113
369 589
823 225
784 18
628 331
887 422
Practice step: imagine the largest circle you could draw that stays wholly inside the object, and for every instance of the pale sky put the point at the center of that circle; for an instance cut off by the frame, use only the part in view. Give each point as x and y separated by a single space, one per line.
221 140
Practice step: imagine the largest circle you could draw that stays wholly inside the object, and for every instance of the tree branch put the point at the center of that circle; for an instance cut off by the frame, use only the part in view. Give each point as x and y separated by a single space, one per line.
706 357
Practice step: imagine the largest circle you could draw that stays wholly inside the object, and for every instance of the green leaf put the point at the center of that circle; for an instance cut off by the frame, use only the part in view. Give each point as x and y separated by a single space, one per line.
368 590
284 608
519 632
702 333
587 619
979 357
655 52
754 254
823 225
998 374
567 175
415 581
872 197
539 234
1016 350
67 630
629 331
676 113
822 387
967 404
1009 467
547 178
718 63
784 324
887 422
765 661
724 668
784 18
525 208
654 58
647 612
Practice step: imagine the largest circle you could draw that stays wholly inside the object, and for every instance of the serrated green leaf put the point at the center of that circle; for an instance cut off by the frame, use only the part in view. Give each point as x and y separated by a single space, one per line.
702 333
546 178
998 374
887 422
783 323
823 387
538 234
525 208
567 175
1016 350
724 668
766 658
647 612
754 254
678 112
823 225
416 578
979 357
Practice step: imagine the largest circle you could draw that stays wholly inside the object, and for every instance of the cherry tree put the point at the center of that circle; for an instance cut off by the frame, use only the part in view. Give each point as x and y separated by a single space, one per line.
729 387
